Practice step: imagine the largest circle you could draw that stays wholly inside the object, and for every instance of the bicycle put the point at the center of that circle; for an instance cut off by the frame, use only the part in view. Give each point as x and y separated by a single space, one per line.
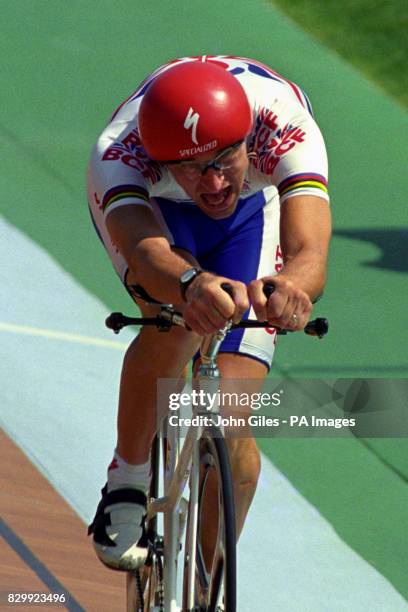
153 588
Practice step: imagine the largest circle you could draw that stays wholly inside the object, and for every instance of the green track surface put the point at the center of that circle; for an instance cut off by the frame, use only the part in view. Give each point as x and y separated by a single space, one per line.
370 34
70 64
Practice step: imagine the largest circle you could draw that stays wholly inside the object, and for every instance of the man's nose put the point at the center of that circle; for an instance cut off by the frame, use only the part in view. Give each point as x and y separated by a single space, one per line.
213 180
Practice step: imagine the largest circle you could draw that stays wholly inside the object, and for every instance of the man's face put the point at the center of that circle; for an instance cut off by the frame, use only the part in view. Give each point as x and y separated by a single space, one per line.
216 189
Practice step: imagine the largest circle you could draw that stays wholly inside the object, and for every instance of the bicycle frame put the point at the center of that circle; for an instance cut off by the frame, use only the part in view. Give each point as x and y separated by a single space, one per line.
183 467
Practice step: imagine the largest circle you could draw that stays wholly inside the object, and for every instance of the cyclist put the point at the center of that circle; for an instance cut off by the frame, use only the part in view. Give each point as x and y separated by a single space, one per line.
213 171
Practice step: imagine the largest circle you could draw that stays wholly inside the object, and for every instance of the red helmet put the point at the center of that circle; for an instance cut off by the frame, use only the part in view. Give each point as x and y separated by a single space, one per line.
191 108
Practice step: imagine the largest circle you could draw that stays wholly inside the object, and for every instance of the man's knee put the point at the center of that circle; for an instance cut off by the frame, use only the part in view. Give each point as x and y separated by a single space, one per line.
245 462
154 353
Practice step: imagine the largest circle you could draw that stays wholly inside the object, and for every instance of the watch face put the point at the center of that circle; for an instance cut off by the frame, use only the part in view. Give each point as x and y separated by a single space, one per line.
188 275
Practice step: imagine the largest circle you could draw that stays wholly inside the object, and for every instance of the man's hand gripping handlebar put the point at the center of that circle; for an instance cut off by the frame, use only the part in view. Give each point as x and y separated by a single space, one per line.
168 317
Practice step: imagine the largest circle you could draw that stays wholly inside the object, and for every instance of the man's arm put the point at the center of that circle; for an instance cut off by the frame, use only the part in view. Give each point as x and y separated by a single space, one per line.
152 263
157 268
305 232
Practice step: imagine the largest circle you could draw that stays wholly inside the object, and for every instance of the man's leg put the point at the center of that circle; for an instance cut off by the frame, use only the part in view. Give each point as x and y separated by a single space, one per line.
151 355
118 525
243 451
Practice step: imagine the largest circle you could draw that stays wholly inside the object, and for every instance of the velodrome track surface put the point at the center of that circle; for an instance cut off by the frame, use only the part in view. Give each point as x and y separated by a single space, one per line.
62 418
68 68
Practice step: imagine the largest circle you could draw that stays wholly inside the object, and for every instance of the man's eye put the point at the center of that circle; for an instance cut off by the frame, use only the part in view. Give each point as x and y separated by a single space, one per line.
229 158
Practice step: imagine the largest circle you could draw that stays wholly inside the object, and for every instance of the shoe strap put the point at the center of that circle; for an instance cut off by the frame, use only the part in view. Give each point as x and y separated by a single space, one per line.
120 496
102 519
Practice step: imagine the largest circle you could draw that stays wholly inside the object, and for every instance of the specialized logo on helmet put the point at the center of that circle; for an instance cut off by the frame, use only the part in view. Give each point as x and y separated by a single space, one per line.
209 146
191 122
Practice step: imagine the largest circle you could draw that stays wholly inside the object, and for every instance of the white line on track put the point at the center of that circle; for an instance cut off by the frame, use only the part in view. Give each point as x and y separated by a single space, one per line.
57 335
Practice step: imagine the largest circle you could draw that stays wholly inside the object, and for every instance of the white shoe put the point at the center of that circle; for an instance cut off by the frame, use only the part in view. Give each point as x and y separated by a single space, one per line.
119 537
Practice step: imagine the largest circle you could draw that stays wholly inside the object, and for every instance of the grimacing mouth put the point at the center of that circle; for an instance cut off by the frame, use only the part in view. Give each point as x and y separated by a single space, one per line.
218 197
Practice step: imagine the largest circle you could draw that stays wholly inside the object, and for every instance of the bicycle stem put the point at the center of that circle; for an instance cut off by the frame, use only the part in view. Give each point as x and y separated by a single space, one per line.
209 350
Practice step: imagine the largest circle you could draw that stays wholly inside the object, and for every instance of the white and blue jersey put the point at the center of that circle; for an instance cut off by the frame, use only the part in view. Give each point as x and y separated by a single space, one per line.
288 158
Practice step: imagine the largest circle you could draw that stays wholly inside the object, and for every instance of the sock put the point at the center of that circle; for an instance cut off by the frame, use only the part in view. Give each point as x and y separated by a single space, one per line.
122 474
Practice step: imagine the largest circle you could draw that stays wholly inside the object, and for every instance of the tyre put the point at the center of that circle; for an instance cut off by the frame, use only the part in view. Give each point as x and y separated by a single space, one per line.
215 564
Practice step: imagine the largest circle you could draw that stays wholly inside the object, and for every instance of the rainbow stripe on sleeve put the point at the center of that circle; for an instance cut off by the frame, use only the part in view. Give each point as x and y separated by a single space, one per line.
123 192
302 181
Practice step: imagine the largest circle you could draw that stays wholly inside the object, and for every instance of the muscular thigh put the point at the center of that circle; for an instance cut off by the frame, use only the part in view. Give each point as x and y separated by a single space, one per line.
177 345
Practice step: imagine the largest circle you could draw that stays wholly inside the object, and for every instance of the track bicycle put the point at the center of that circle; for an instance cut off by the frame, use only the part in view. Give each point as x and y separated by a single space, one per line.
202 455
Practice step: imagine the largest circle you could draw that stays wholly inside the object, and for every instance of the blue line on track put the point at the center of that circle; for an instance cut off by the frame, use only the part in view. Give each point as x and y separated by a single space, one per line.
39 568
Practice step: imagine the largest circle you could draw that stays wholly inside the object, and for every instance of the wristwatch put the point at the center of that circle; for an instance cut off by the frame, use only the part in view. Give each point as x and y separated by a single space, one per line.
187 278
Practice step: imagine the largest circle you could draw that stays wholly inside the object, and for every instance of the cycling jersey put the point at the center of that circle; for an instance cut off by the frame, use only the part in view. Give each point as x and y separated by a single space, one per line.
287 158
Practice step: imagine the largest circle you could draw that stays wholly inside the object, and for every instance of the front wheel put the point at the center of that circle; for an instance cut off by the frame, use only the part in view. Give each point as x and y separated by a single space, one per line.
214 531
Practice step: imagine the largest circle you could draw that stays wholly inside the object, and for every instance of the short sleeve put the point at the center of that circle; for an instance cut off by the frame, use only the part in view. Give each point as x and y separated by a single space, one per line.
289 148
